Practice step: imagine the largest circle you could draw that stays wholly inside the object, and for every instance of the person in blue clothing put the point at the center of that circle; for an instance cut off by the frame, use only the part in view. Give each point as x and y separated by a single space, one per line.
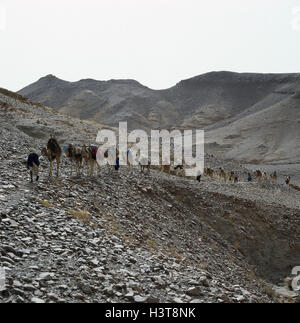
117 166
199 175
33 164
249 178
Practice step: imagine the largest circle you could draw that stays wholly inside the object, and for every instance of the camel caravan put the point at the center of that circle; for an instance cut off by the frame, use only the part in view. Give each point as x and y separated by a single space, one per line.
79 158
221 175
233 177
85 157
264 177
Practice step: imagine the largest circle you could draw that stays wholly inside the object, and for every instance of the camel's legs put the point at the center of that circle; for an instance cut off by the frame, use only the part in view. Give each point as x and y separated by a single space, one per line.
50 170
77 168
58 164
84 165
92 167
80 168
88 165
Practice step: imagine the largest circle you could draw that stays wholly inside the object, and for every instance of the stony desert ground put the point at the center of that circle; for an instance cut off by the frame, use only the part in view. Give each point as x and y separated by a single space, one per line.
131 237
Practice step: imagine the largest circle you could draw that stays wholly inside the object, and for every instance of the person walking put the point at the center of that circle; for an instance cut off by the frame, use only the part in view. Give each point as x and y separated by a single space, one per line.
117 166
249 178
33 165
199 177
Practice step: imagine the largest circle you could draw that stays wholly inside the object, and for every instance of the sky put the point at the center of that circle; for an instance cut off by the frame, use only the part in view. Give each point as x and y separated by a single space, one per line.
156 42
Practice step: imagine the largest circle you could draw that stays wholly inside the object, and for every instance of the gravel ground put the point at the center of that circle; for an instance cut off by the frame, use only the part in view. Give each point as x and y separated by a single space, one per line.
129 237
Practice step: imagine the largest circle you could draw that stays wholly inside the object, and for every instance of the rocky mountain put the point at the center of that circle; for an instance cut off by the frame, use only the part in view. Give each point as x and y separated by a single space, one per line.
129 237
253 118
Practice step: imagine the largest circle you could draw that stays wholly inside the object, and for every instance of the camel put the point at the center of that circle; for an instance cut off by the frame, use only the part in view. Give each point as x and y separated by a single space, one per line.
258 175
165 168
52 152
144 164
209 172
75 156
221 173
89 154
231 176
274 177
265 176
179 170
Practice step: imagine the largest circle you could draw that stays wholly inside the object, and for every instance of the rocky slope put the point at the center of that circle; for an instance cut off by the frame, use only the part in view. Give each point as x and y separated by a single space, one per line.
253 118
127 237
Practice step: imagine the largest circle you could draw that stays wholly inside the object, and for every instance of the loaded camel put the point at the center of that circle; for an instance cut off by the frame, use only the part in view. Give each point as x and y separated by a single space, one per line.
231 176
144 164
274 177
258 175
209 172
221 173
75 157
179 170
89 154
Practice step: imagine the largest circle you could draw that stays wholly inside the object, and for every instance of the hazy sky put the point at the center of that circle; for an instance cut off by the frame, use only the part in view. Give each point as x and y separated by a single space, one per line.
157 42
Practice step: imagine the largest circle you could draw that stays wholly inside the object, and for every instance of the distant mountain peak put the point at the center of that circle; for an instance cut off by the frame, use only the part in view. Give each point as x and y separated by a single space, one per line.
49 77
50 80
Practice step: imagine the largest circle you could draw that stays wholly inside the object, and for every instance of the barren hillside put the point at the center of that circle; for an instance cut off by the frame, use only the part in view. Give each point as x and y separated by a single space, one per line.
248 117
129 237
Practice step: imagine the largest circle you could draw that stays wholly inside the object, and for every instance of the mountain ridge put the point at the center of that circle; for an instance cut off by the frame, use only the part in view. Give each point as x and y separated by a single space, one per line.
212 101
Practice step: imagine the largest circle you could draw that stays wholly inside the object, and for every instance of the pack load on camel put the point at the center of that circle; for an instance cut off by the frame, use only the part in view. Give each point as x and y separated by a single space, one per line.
89 154
75 156
94 151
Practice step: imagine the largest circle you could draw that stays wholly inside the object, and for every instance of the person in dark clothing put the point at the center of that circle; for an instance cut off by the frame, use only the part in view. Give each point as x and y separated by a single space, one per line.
33 164
236 179
249 178
288 180
199 175
117 166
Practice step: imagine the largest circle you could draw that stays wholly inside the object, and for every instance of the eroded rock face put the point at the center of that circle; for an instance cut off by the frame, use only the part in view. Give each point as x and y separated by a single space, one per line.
129 237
